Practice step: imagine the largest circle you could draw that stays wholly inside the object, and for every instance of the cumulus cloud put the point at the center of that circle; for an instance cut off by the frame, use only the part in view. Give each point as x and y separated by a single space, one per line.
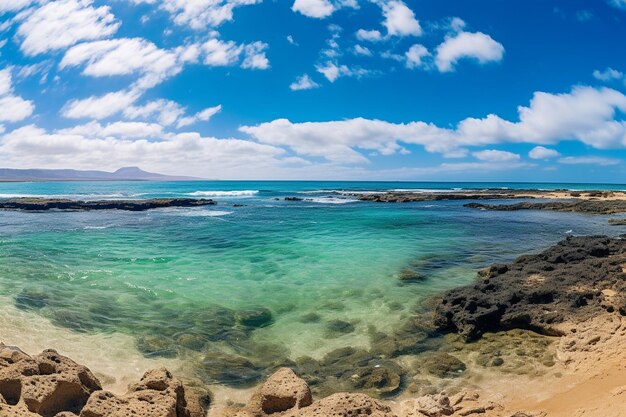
589 160
369 35
125 56
541 152
362 50
255 57
199 14
478 46
492 155
585 114
609 74
14 108
415 55
108 147
100 107
318 9
303 82
59 24
400 20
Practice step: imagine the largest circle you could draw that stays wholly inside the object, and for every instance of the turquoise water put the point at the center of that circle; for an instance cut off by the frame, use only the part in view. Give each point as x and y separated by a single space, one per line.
177 281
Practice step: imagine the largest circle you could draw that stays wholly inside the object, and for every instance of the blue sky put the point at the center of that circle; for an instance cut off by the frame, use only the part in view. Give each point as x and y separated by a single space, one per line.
496 90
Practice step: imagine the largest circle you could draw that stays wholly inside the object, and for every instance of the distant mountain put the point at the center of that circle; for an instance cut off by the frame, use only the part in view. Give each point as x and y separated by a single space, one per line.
122 174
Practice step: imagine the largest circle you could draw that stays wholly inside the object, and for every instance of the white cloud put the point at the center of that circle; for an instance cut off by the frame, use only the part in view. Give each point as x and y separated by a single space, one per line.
254 56
13 5
14 108
415 55
338 140
541 152
125 56
609 74
589 160
199 14
303 82
62 23
362 50
185 153
121 130
318 9
291 40
400 20
620 4
477 46
332 71
5 81
100 107
586 114
220 53
202 116
492 155
166 112
369 35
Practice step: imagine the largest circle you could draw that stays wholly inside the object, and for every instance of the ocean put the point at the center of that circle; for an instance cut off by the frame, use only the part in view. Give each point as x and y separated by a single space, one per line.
252 276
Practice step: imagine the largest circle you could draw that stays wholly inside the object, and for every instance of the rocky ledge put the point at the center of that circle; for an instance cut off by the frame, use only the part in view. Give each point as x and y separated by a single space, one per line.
411 197
577 205
578 279
51 385
46 204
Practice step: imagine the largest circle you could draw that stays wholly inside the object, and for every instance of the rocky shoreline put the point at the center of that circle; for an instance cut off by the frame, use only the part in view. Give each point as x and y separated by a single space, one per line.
541 315
573 206
485 194
47 204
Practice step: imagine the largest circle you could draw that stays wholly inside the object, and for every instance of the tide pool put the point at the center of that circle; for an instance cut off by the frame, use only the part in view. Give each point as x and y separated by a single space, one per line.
257 276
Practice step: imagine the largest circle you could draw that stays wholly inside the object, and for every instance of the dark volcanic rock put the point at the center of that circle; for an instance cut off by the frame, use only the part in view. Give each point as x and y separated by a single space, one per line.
45 204
568 282
578 206
410 197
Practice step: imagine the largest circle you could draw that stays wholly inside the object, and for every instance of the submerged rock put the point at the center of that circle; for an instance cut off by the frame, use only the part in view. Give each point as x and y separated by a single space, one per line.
443 365
157 346
408 275
224 368
257 317
336 328
31 298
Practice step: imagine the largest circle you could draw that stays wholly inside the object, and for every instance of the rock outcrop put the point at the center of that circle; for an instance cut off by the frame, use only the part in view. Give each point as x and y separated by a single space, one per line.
46 204
44 385
52 385
577 279
577 206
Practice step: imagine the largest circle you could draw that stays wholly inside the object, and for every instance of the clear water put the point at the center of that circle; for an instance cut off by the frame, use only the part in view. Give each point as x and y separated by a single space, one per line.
152 274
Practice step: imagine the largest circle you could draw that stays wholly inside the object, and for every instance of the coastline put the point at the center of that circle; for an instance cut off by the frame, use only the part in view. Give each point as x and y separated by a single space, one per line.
558 376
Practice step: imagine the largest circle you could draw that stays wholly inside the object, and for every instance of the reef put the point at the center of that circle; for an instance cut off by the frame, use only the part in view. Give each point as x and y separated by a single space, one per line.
47 204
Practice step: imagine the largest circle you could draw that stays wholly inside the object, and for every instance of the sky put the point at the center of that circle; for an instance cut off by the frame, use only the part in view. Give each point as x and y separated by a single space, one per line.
425 90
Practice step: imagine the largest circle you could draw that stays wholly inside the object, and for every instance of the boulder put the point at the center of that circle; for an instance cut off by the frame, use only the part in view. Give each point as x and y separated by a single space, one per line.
282 391
158 394
344 405
46 384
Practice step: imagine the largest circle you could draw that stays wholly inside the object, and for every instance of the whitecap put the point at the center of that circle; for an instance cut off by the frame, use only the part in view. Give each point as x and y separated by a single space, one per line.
331 200
235 193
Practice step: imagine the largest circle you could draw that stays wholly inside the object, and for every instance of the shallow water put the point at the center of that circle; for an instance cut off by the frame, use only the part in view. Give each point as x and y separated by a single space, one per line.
174 282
